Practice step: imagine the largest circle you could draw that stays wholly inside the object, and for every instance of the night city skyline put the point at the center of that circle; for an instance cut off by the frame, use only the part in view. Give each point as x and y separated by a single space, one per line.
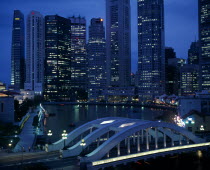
181 24
105 84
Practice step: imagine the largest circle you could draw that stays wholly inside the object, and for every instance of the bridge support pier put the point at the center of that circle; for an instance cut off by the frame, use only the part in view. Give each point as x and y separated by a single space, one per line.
142 136
164 140
180 139
172 142
134 138
107 155
188 142
118 149
147 139
128 146
125 141
156 138
138 142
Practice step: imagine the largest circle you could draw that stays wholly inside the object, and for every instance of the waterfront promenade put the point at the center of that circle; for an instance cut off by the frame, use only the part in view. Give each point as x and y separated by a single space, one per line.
27 135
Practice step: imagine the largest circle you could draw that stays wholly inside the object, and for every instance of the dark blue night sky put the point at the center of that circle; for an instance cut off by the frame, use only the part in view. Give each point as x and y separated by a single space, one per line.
181 23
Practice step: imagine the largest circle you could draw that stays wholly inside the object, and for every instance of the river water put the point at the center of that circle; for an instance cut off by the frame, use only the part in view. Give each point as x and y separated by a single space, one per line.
80 114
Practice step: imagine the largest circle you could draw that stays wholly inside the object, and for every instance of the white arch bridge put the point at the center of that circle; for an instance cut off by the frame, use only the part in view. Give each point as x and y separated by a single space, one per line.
111 141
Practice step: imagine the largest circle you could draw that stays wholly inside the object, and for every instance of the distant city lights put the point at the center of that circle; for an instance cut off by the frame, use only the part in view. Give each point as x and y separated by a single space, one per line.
179 121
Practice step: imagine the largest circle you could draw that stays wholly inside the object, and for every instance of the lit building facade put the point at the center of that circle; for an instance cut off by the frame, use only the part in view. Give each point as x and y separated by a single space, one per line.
57 79
189 79
118 38
204 39
18 51
78 55
151 49
35 53
96 59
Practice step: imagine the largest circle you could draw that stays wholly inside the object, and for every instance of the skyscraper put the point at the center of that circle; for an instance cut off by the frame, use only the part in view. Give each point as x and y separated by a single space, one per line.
96 59
170 71
35 52
193 53
204 39
57 58
18 51
151 57
118 38
78 55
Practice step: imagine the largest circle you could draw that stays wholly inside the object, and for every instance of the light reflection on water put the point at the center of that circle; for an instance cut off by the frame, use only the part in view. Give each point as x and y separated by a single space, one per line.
79 114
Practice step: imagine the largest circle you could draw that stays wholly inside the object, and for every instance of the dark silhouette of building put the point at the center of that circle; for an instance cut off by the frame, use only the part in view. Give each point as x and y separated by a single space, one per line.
204 40
170 71
57 84
96 59
174 77
118 38
193 53
151 49
18 51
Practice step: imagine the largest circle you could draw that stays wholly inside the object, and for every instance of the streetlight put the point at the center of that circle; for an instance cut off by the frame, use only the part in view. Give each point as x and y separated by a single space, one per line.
64 136
49 134
82 144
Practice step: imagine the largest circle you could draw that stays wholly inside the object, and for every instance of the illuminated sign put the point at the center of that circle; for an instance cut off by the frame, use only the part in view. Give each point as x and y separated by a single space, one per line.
17 19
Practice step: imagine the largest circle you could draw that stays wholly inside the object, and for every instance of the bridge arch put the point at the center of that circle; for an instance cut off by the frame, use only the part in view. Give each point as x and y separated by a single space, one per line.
78 131
104 148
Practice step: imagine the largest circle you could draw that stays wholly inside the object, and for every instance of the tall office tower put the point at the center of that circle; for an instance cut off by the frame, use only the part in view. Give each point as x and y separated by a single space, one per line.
57 58
18 51
193 53
118 38
35 52
96 59
175 64
169 71
204 39
151 48
78 55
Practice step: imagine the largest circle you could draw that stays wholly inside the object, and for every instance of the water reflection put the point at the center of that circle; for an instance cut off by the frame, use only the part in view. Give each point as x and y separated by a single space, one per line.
65 115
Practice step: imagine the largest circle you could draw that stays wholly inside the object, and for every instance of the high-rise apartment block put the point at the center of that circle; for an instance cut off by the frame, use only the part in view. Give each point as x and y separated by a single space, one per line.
96 59
118 38
151 48
18 51
204 40
57 77
35 52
